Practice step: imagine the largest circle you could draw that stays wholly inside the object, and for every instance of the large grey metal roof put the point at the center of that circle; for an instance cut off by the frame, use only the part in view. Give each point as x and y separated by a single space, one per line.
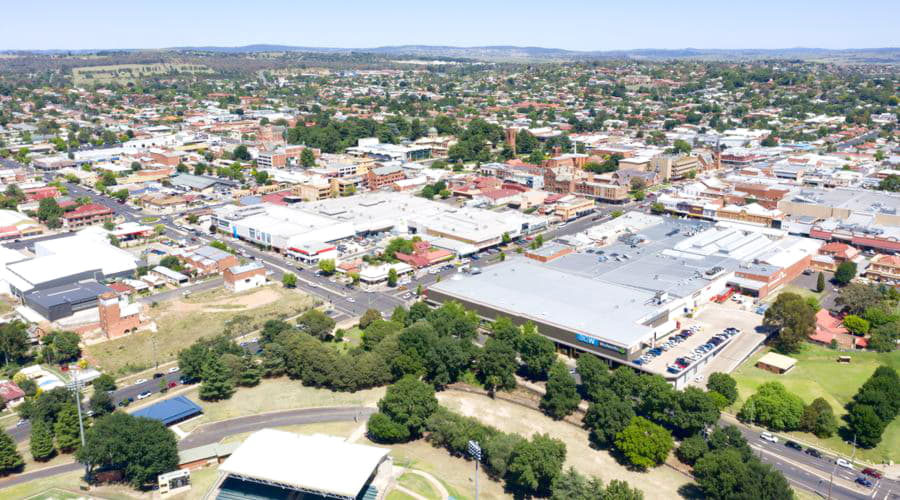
73 293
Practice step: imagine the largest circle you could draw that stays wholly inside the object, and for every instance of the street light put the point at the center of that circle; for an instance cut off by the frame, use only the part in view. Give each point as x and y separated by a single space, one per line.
474 450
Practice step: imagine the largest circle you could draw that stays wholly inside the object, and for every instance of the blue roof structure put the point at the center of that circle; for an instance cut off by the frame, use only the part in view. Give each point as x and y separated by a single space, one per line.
171 410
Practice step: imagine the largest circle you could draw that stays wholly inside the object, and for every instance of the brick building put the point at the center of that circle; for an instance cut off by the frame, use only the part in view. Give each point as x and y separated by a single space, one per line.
117 317
378 177
86 215
245 277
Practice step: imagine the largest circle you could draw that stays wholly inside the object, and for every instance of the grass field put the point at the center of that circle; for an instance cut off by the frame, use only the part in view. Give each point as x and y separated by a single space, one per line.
456 474
277 394
179 326
817 374
124 73
399 495
660 482
420 485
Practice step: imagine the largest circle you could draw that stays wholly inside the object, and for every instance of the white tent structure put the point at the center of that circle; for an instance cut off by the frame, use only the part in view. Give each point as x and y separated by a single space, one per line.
317 464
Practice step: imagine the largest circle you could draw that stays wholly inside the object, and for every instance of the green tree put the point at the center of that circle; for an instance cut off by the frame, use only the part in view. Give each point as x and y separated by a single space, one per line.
41 442
60 347
538 354
774 407
327 266
794 320
856 325
409 402
820 282
241 153
316 323
607 415
307 158
289 280
66 429
644 443
10 459
104 382
250 372
101 403
536 464
845 273
571 485
681 146
496 365
691 411
142 448
368 317
218 381
49 209
594 375
382 429
726 474
691 449
504 330
724 384
561 397
819 419
392 277
14 341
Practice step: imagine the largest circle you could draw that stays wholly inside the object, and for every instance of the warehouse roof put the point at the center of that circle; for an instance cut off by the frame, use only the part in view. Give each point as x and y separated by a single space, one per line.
325 464
73 293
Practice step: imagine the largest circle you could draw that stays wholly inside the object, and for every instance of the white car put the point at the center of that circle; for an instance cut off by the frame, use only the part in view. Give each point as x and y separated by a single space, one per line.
173 369
844 463
768 436
140 381
351 299
144 395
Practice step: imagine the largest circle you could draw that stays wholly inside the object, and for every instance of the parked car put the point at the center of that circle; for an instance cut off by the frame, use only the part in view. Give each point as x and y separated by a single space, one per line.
793 444
174 369
140 381
863 480
871 473
172 384
768 436
144 395
814 452
844 463
157 375
125 402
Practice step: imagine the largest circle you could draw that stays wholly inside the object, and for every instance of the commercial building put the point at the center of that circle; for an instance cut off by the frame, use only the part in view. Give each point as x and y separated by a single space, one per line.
371 148
63 261
884 268
627 299
208 260
169 276
286 228
245 277
65 300
380 177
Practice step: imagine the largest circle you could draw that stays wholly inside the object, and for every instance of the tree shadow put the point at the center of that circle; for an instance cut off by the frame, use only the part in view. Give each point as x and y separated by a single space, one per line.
691 491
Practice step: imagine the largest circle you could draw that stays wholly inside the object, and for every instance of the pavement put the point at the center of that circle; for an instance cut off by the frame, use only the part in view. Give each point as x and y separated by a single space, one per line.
811 473
216 431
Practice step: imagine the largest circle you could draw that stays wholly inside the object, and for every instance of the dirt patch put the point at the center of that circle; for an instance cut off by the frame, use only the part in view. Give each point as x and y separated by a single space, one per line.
259 298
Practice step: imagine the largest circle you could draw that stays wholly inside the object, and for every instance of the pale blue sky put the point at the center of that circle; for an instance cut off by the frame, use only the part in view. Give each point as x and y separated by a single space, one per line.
577 25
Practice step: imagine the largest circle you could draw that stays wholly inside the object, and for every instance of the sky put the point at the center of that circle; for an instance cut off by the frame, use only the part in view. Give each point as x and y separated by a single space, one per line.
566 24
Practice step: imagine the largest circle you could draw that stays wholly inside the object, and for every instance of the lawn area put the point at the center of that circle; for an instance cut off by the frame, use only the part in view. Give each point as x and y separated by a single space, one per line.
660 482
149 220
420 485
817 374
181 322
64 485
456 474
352 338
56 494
276 394
399 495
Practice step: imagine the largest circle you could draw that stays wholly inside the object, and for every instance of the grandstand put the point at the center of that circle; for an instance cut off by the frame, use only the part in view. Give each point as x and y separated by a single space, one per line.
278 465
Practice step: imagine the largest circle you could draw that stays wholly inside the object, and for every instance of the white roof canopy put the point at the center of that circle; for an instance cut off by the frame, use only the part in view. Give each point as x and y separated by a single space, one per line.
318 463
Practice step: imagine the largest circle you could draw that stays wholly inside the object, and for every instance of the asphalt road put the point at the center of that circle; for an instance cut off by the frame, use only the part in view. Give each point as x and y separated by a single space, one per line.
813 473
215 432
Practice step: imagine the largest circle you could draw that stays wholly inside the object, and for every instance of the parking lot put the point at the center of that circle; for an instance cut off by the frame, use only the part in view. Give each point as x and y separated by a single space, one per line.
712 319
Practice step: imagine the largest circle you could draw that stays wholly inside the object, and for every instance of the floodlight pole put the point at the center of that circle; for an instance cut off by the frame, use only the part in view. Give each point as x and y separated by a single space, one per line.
474 450
75 387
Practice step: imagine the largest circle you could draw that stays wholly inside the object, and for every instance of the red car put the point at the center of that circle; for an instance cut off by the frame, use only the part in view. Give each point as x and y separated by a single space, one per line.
172 384
871 473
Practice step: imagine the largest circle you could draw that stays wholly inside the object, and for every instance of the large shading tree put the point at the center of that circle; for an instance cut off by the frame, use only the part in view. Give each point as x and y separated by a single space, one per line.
794 319
66 429
536 464
607 415
140 447
774 407
561 397
644 443
10 459
218 381
496 365
408 404
41 441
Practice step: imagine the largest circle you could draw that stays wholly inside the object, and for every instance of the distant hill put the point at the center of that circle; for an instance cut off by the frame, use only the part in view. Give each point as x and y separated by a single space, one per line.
507 53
